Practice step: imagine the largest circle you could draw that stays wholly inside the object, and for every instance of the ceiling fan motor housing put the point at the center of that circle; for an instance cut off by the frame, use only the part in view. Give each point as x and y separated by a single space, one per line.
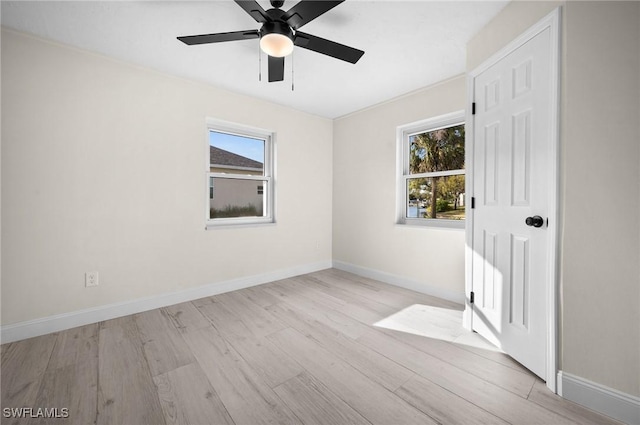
276 28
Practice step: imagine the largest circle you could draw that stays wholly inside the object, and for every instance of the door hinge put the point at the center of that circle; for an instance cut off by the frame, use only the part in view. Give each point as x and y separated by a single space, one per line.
473 202
471 298
473 108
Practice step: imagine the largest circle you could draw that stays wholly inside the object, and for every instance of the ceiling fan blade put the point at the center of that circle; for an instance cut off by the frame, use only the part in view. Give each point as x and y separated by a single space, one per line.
327 47
254 9
219 37
276 69
308 10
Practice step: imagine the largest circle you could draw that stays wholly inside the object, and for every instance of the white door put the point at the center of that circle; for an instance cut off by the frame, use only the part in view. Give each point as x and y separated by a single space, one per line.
511 160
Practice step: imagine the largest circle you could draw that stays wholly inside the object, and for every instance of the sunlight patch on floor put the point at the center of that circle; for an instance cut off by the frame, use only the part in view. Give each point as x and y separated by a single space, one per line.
434 322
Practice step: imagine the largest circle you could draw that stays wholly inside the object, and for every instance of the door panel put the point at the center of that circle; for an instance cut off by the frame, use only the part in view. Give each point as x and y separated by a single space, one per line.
510 156
491 176
521 140
490 282
519 315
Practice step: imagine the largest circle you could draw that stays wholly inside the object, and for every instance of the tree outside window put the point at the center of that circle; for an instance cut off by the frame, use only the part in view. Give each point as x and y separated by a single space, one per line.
432 180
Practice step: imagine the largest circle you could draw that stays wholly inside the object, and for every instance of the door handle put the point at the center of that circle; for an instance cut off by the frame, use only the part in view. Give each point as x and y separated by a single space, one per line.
535 221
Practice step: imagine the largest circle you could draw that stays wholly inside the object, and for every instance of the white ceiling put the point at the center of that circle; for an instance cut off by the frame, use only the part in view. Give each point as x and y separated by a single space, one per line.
408 44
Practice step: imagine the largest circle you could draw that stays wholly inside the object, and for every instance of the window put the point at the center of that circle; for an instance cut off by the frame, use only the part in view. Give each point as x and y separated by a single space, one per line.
239 175
431 176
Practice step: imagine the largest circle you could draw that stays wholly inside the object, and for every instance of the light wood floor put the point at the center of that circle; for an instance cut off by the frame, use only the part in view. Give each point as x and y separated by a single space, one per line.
323 348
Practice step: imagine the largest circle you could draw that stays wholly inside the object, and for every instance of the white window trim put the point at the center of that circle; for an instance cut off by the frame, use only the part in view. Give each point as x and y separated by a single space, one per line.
268 179
402 146
227 167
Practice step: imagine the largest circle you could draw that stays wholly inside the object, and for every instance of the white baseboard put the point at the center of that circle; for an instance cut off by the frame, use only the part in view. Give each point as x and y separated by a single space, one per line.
613 403
59 322
403 282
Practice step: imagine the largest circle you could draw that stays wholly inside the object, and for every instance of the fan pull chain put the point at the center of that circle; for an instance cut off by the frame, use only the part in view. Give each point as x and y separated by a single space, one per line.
259 63
291 71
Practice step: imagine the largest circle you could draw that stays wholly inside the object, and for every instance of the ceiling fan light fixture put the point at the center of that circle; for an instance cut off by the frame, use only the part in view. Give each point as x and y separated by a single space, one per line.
276 39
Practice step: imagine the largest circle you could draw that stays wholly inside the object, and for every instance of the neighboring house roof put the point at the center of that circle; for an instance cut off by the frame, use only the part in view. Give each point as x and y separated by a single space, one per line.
219 156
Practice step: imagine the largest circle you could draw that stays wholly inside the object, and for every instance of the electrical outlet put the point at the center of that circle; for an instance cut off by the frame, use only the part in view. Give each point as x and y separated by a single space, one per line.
90 279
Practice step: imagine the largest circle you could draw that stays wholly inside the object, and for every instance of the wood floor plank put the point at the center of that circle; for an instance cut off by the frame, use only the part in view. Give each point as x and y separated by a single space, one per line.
74 346
164 347
541 395
376 367
126 392
222 317
517 382
353 287
296 289
259 297
360 308
496 400
398 296
469 342
23 366
371 400
186 317
304 286
444 406
425 320
71 378
365 289
187 397
257 319
270 362
117 323
334 319
247 398
313 403
74 387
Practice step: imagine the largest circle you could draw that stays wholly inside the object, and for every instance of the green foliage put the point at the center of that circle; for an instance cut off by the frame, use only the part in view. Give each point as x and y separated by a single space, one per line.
442 205
419 189
437 150
234 211
451 188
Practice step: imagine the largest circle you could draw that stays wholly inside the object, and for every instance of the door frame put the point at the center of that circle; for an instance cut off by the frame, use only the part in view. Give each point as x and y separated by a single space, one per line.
552 22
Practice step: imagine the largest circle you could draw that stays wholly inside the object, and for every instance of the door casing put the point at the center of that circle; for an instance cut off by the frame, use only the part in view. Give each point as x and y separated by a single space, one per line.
552 22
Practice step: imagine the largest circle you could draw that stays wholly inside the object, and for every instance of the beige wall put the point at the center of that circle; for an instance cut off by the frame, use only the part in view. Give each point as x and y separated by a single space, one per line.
364 196
601 284
600 172
103 168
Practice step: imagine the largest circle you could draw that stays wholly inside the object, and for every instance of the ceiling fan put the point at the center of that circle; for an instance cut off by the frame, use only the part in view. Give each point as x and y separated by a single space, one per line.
279 33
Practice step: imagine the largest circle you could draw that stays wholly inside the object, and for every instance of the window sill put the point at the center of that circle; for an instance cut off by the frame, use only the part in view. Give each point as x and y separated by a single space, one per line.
433 224
235 224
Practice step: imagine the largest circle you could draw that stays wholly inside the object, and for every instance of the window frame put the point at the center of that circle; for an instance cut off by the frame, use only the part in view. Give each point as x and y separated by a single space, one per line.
403 134
267 180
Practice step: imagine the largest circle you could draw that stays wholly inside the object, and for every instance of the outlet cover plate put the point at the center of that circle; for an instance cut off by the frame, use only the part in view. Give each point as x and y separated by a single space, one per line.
91 279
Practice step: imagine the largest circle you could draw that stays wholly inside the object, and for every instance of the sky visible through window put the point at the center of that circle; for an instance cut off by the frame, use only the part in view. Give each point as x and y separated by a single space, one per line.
244 146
